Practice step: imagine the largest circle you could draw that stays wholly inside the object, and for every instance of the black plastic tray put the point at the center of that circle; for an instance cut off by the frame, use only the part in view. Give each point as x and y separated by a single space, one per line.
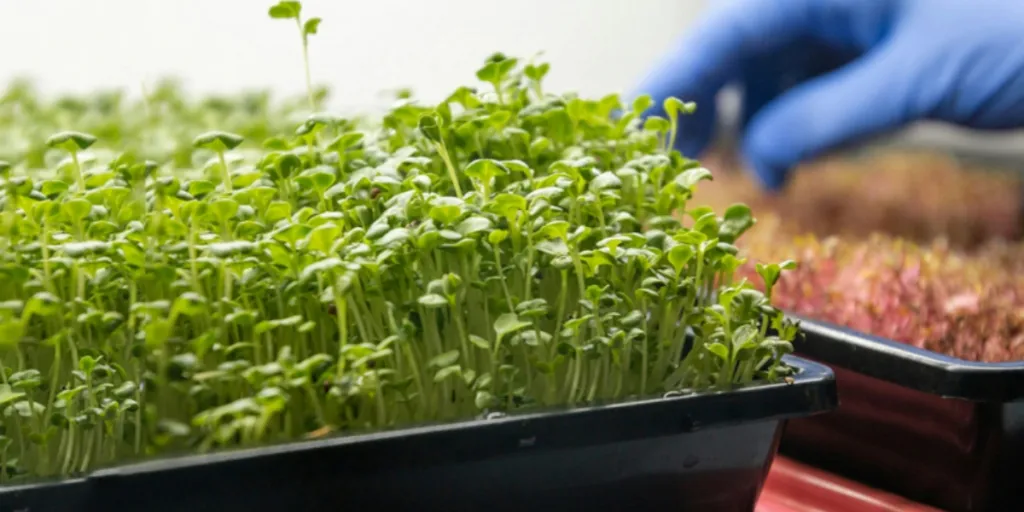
936 429
702 452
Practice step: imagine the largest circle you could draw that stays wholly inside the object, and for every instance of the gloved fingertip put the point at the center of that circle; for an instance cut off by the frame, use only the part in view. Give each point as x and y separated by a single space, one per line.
772 178
766 154
692 146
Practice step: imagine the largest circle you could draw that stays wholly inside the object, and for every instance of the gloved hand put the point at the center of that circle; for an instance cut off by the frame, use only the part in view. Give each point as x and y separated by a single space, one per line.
820 73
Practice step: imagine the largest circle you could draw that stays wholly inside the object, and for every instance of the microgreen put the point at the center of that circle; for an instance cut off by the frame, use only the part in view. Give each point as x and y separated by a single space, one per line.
955 302
290 10
494 252
73 142
220 142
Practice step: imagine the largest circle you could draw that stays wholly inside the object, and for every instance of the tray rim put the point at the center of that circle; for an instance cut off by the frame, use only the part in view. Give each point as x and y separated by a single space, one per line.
812 391
909 366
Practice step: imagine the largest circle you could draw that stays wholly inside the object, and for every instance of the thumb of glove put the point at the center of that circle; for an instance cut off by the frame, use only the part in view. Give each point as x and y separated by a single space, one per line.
864 98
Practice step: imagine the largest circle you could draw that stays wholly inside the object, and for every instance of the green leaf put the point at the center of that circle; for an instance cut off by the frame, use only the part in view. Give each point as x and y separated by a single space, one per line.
224 208
393 238
218 140
173 428
497 236
7 395
679 256
288 164
71 141
719 350
276 144
228 249
77 209
545 193
675 106
446 212
479 342
200 188
657 124
484 400
508 323
473 225
309 128
633 319
738 219
559 125
157 332
594 292
190 304
345 141
605 180
125 390
507 205
70 394
444 360
80 249
491 72
53 187
429 126
558 229
485 169
690 177
278 210
28 409
642 103
285 10
537 72
777 346
270 325
533 305
432 301
313 363
556 247
322 237
311 26
292 233
447 371
769 273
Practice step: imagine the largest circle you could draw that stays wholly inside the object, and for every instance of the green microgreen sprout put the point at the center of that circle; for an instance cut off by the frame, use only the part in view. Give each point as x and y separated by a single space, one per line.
73 142
285 10
673 107
431 129
220 142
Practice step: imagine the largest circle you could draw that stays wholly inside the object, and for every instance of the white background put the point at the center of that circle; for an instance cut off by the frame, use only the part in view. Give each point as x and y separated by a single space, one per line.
364 46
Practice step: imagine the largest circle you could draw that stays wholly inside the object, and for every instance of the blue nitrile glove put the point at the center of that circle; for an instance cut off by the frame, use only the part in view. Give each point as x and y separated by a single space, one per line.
821 73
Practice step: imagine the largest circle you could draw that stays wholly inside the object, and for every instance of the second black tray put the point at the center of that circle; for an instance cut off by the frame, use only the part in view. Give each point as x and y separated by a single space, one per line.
933 428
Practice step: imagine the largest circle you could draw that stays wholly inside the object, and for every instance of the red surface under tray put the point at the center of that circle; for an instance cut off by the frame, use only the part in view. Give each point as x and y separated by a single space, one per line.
795 487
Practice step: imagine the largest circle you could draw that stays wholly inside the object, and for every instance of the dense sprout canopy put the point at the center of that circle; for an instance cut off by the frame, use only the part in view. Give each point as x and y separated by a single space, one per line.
965 304
505 248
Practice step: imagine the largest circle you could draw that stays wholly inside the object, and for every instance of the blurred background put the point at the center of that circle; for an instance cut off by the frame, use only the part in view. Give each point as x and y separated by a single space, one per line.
367 48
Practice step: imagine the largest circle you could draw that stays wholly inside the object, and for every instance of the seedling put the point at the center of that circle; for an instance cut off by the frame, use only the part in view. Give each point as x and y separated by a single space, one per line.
220 142
289 10
73 142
